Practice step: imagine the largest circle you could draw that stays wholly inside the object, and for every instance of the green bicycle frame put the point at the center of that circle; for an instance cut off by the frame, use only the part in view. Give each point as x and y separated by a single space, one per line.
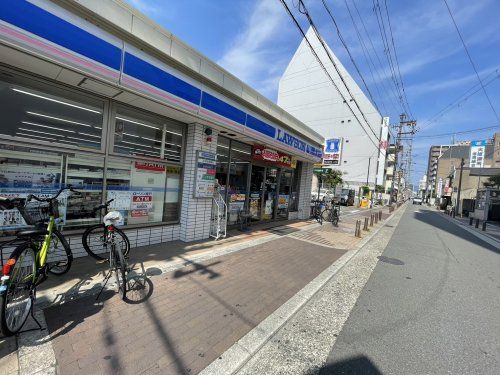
42 254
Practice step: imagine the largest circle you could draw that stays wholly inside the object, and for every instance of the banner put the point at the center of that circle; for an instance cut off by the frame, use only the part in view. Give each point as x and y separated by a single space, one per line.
477 153
205 174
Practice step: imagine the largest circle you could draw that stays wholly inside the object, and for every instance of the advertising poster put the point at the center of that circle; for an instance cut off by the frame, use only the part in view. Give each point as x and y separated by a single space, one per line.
283 201
205 174
278 158
121 199
477 153
142 200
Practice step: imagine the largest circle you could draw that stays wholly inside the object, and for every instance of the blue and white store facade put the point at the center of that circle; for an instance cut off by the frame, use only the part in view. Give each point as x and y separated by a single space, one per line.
94 94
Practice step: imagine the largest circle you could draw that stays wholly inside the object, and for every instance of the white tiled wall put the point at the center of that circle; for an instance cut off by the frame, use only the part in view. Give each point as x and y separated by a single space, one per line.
195 212
305 187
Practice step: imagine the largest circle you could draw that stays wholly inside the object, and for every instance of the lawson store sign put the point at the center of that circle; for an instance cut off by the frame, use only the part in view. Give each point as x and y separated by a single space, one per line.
50 31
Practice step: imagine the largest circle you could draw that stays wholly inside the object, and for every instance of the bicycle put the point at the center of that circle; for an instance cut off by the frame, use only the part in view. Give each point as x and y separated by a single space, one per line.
37 254
107 234
317 211
95 237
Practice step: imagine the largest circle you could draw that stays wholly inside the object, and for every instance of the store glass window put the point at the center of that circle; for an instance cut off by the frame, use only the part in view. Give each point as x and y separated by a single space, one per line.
239 166
222 167
42 173
144 192
141 134
48 114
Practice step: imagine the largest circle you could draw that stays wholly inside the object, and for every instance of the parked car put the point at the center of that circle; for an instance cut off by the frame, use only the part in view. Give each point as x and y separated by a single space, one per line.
417 200
347 197
323 194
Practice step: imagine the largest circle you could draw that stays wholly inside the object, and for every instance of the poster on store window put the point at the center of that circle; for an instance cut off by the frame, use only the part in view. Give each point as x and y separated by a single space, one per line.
283 201
205 174
121 199
142 200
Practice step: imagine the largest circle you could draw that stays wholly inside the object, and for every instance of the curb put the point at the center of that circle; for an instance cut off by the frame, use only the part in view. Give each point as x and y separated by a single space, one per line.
234 358
484 237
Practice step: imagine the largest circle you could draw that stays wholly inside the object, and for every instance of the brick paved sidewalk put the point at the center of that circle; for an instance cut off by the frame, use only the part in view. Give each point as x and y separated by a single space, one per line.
193 313
192 317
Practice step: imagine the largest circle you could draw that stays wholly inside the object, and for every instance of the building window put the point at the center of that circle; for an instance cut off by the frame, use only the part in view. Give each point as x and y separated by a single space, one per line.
47 114
144 135
144 192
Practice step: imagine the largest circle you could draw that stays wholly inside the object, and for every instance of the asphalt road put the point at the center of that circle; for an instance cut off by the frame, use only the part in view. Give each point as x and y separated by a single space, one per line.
431 305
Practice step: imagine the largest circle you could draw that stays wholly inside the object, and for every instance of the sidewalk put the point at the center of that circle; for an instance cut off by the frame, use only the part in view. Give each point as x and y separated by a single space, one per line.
492 228
200 299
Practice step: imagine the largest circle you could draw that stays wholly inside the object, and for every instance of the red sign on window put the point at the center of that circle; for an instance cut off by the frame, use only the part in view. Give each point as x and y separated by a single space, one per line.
145 166
273 156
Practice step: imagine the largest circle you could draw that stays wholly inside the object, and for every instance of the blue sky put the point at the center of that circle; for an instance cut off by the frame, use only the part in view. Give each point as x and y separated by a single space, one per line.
255 39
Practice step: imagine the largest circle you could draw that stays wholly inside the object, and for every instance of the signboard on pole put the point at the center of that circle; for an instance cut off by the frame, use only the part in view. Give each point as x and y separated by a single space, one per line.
205 174
477 153
333 149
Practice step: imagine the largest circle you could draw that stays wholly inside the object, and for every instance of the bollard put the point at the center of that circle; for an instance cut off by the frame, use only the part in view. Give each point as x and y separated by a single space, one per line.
380 215
365 225
376 218
471 220
358 228
477 223
454 213
484 226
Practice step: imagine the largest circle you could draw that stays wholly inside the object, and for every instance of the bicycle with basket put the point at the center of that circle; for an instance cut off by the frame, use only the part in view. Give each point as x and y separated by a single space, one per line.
38 252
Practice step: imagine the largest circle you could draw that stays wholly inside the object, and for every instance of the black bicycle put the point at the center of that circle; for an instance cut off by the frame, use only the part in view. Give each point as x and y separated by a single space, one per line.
317 211
95 237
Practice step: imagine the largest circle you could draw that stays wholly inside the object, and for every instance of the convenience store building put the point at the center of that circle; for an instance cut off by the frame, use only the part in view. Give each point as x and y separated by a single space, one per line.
96 95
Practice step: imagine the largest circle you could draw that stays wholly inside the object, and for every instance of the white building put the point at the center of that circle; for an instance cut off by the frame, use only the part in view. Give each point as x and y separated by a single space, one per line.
306 92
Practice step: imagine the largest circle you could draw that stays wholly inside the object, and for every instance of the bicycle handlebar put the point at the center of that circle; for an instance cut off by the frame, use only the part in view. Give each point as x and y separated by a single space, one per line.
68 187
101 206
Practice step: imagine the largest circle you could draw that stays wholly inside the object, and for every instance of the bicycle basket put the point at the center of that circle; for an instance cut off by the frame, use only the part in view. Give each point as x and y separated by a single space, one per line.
35 212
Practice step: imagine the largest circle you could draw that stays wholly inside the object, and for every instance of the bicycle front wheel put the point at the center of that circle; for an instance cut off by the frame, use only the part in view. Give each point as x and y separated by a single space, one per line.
120 269
59 256
326 214
16 300
94 241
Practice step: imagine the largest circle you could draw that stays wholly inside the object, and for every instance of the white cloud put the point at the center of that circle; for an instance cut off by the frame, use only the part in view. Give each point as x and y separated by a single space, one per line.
255 55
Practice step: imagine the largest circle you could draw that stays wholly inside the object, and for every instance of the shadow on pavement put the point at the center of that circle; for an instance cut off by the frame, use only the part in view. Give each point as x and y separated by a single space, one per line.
436 220
351 366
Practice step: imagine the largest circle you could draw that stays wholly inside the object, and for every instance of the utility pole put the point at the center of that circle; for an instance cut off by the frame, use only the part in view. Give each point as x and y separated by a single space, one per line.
378 160
397 167
368 173
458 210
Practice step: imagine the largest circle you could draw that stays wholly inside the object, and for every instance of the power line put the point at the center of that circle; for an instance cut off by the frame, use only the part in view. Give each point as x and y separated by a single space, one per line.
285 5
471 62
349 53
382 81
387 51
460 132
396 57
462 98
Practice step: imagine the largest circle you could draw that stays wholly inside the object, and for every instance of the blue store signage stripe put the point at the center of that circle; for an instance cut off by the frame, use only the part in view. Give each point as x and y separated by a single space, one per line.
220 107
38 21
159 78
260 126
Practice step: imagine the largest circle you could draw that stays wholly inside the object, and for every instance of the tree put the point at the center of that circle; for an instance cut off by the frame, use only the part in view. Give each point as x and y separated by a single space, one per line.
332 178
379 189
493 181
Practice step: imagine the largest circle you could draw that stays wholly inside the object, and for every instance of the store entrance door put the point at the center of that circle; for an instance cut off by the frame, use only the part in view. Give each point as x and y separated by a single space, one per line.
270 193
256 187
